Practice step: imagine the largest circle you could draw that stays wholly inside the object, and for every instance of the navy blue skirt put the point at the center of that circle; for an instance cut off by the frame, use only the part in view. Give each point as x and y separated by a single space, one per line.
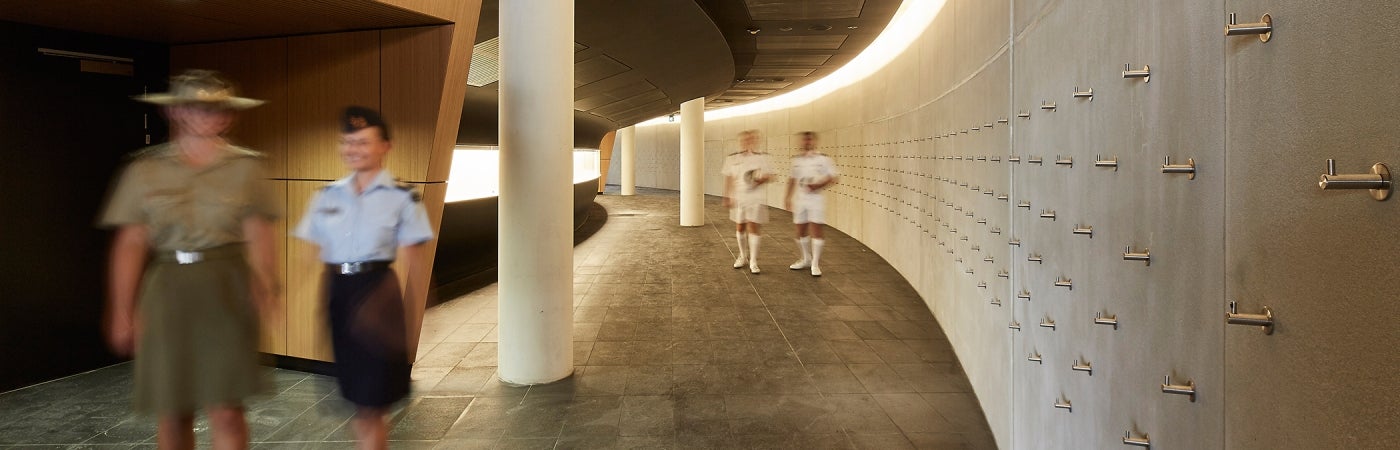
369 336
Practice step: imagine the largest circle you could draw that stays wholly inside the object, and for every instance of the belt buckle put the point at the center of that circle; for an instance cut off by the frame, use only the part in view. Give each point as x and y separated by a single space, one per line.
350 268
183 257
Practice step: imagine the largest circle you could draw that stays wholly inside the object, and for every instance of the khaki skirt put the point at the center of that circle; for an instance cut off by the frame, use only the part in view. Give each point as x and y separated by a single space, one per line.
198 337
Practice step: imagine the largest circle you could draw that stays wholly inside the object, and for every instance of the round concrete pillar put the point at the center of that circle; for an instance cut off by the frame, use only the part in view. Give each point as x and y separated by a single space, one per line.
693 163
628 136
536 191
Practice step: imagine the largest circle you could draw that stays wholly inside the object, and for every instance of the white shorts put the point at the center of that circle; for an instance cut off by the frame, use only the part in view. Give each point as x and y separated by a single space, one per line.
809 212
749 213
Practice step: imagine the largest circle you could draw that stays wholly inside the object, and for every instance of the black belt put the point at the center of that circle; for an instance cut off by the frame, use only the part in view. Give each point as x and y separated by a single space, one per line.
359 267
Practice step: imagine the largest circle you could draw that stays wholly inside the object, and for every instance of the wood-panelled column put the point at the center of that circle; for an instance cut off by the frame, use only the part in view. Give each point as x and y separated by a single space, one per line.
536 201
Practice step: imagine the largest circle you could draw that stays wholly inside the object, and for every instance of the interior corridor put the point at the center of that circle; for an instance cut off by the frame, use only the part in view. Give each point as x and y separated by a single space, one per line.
673 348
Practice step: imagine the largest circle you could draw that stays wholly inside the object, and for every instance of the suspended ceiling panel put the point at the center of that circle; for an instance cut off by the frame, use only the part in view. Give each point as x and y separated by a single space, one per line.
597 68
804 9
824 42
788 34
764 59
186 21
632 61
770 72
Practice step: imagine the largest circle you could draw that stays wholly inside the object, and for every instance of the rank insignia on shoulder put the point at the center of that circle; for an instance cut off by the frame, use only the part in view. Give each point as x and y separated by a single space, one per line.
412 193
329 211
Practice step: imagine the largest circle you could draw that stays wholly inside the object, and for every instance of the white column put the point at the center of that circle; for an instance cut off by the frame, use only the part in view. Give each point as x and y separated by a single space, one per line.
693 163
628 136
536 203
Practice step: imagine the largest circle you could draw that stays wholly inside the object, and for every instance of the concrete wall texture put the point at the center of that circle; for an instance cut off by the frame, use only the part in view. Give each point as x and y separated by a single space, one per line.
970 160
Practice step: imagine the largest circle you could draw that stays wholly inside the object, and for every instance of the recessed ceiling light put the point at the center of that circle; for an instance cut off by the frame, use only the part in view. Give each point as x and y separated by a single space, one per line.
753 30
819 27
852 27
784 28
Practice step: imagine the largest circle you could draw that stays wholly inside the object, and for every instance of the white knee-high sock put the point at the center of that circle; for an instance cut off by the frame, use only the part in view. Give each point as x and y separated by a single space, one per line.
743 242
754 239
805 243
817 250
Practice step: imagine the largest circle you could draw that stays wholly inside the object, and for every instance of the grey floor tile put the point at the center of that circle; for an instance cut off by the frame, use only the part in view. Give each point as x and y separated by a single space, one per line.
672 347
860 413
428 418
880 379
933 377
893 351
912 414
648 416
538 416
882 441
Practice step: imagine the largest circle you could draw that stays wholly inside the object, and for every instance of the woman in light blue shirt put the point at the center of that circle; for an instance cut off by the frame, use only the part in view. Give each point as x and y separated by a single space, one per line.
362 223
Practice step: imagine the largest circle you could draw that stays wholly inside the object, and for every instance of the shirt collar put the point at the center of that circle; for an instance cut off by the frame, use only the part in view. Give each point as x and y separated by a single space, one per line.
383 179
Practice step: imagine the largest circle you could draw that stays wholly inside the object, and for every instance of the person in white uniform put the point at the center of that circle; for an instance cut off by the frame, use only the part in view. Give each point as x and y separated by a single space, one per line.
812 172
745 175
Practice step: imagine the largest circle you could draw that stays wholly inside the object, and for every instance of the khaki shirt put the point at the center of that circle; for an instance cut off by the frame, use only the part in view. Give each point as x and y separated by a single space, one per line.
187 208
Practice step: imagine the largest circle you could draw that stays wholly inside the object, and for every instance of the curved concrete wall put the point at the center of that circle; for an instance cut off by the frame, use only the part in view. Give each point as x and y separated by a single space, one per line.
972 139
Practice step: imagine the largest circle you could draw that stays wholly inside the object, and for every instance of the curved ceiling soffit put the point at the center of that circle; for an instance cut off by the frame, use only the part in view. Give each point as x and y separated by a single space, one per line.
632 61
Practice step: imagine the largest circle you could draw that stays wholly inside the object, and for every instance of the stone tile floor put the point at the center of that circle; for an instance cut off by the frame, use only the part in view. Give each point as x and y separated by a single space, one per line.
673 349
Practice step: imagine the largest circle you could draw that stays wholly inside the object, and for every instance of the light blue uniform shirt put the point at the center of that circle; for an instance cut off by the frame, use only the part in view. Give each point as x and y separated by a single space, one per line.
370 226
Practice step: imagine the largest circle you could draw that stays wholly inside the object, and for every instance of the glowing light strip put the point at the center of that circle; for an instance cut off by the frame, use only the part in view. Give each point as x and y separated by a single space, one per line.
475 171
909 22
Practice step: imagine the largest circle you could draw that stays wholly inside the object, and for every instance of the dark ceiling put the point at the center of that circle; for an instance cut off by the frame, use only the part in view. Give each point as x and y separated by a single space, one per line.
633 60
188 22
642 59
781 45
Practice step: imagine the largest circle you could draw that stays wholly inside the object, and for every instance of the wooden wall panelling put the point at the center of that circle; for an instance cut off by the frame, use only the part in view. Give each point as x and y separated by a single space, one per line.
307 335
259 68
433 196
460 38
274 328
457 39
414 61
325 74
605 151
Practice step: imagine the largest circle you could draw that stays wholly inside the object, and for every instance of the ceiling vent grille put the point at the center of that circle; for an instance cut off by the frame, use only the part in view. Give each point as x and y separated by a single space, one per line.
486 63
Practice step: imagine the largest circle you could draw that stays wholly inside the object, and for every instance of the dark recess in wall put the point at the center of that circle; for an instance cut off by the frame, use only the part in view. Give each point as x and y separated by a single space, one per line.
63 136
481 124
467 243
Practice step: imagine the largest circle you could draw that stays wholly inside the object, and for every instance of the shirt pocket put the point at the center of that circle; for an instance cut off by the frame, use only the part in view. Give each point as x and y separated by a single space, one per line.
166 210
222 212
386 231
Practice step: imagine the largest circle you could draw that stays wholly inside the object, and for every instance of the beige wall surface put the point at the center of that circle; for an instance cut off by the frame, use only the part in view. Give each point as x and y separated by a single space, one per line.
926 147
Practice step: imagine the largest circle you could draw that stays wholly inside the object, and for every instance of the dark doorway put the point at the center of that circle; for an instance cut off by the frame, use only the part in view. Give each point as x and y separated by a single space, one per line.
63 134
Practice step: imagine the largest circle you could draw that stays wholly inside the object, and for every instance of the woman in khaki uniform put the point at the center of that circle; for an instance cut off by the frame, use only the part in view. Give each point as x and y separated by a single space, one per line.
192 262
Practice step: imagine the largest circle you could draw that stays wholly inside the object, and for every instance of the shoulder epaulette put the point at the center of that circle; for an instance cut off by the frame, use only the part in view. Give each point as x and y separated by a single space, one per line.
246 152
413 193
148 152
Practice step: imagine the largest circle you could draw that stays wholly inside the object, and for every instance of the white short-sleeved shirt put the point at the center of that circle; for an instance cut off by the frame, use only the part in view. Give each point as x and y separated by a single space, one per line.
811 169
370 226
742 168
